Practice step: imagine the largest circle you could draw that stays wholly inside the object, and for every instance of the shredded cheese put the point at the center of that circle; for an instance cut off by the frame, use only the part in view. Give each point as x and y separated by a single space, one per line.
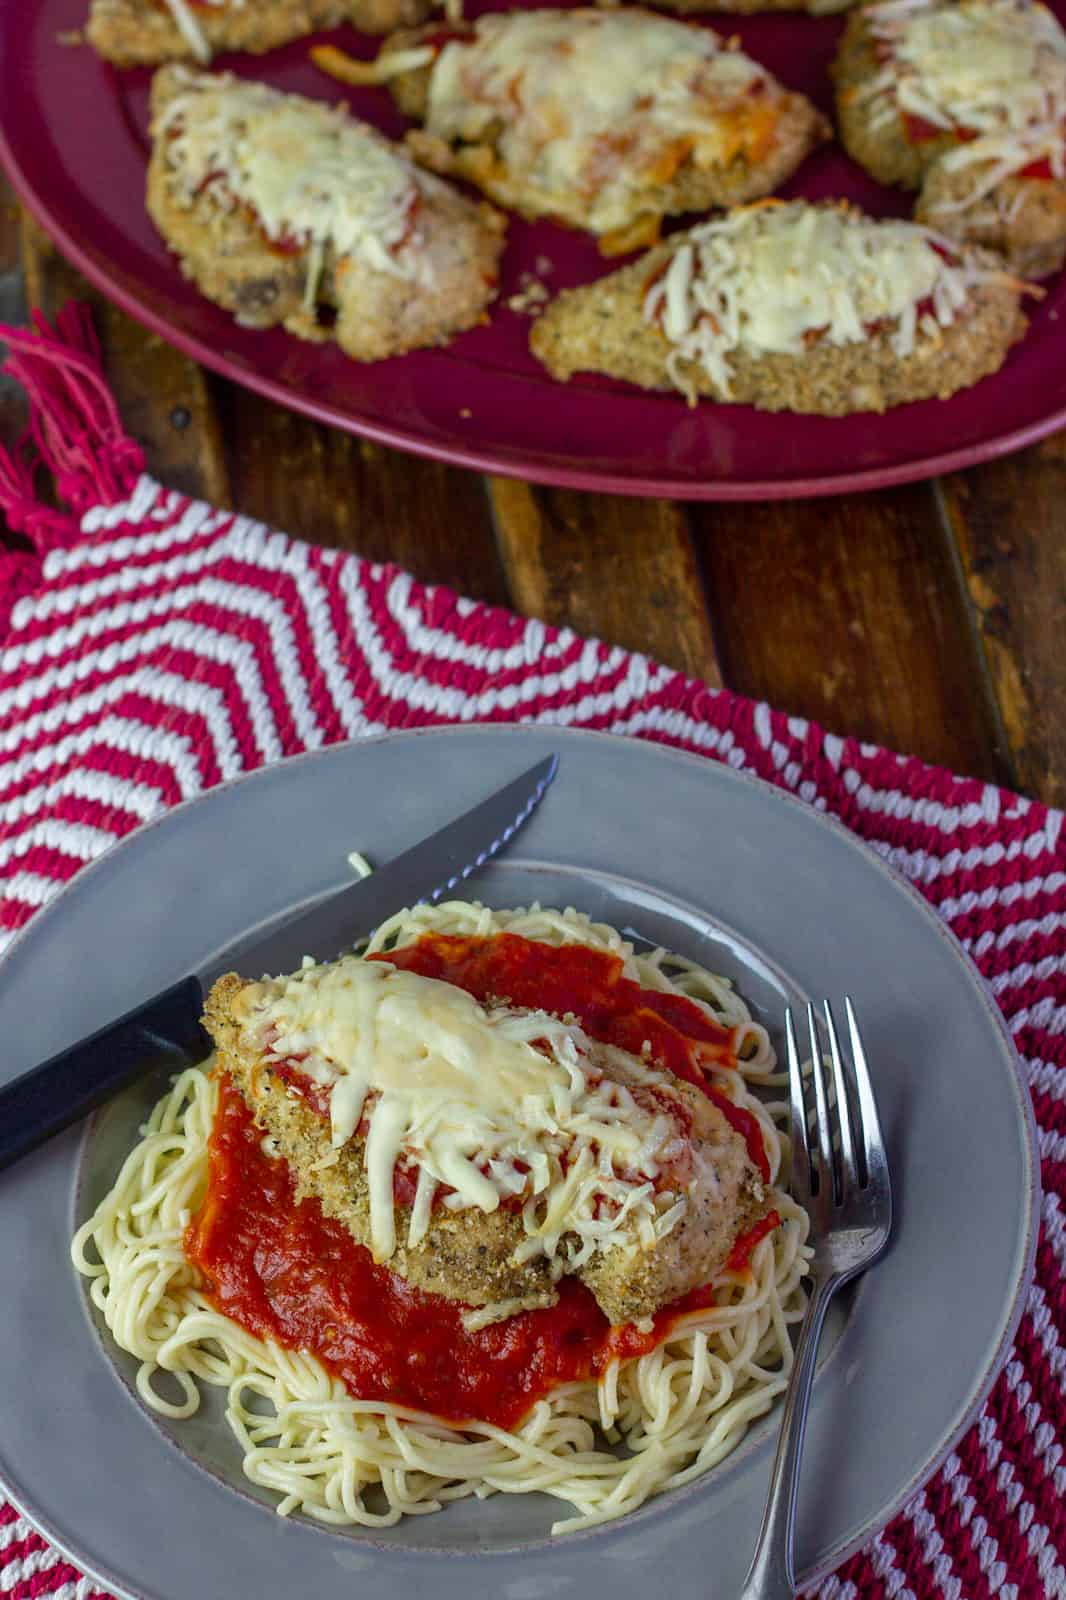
311 175
769 278
490 1103
588 110
479 1317
190 29
990 73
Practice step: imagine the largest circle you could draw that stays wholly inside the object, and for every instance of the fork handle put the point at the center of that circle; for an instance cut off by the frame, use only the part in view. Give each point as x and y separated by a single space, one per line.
771 1575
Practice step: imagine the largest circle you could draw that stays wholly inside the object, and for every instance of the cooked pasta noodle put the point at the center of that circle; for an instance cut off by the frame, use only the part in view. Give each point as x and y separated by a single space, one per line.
648 1424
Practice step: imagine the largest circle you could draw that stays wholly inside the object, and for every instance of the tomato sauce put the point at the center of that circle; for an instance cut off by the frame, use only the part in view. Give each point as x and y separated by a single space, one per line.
285 1271
438 38
1037 169
921 131
669 1030
739 1259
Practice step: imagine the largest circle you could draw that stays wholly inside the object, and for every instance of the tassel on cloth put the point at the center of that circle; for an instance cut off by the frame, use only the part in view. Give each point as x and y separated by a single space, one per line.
24 511
75 430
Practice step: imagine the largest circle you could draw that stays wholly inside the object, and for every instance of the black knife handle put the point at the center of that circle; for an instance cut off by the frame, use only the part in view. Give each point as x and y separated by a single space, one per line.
164 1032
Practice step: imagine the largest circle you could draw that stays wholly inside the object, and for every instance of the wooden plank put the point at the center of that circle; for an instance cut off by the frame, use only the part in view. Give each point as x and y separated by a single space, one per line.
623 570
12 294
851 611
163 397
12 309
1009 523
334 489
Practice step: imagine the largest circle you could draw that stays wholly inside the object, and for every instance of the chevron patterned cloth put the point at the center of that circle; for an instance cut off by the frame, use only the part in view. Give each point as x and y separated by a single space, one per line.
151 647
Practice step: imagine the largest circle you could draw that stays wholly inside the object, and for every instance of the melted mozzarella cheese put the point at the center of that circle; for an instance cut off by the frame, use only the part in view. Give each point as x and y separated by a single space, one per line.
993 69
767 278
489 1103
307 171
587 108
976 60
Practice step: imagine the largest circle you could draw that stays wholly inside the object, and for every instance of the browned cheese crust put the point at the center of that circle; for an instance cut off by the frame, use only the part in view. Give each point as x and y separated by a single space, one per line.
467 1256
377 313
143 33
1030 235
601 328
800 129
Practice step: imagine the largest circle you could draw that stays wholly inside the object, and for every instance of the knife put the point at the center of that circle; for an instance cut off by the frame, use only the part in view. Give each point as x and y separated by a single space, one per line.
166 1032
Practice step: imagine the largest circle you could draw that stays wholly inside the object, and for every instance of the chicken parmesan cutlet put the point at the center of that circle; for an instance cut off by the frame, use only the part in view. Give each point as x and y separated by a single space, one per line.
792 308
484 1150
139 33
490 1207
606 120
286 211
964 100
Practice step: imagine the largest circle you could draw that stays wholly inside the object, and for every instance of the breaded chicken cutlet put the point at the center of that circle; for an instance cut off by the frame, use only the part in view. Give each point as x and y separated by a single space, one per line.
132 33
707 1188
606 120
964 100
792 308
286 211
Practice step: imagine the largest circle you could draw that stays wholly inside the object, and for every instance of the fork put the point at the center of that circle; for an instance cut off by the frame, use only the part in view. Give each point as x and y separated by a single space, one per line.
840 1177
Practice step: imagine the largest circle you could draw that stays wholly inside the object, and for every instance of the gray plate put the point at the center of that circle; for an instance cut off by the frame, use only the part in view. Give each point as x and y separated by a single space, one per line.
790 904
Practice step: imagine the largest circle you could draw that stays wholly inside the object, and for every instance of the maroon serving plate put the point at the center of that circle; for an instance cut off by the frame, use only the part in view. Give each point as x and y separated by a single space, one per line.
73 140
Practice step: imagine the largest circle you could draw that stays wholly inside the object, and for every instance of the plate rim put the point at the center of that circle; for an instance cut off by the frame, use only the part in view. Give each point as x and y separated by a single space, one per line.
502 461
1026 1255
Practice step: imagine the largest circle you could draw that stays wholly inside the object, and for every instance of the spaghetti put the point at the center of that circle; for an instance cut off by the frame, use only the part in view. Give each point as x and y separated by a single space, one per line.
643 1423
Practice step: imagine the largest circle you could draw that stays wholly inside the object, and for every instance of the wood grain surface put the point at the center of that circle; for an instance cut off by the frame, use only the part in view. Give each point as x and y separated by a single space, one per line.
928 618
13 307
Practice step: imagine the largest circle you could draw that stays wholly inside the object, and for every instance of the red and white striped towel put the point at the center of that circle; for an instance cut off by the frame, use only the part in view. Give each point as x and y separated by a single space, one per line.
151 646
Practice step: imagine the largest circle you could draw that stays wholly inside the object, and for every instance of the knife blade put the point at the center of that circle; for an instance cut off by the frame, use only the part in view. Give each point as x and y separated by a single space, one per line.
166 1032
430 869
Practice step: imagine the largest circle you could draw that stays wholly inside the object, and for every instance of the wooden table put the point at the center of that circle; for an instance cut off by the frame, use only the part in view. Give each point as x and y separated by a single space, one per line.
928 618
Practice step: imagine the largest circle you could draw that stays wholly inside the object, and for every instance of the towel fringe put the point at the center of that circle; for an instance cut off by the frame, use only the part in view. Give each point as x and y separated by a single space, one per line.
75 430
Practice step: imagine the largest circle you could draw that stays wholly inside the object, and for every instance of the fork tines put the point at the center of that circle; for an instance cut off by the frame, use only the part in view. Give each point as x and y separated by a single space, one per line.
846 1155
